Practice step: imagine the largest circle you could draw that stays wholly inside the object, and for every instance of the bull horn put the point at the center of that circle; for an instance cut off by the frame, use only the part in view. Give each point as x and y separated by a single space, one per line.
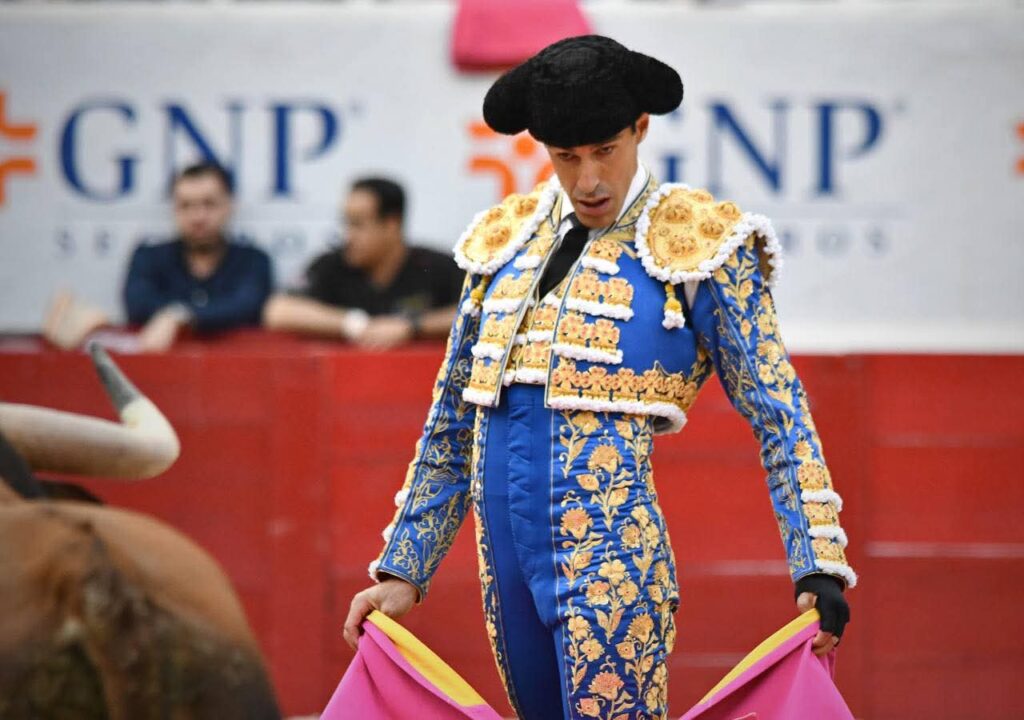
143 445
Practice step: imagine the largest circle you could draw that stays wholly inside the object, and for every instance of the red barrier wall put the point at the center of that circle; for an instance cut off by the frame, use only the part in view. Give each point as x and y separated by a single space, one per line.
292 452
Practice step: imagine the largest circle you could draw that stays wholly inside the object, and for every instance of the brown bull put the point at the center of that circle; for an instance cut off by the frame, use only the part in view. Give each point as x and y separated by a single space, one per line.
106 613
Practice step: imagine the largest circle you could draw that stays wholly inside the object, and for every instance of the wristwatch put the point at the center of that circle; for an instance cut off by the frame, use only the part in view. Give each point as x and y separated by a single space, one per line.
415 318
353 323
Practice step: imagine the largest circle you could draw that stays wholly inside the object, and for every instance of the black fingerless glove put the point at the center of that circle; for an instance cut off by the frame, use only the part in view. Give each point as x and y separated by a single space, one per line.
831 604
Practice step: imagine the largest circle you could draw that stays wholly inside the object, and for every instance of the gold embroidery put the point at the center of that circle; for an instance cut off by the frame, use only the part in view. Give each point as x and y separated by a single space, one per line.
576 526
498 227
759 370
608 481
687 227
819 514
605 249
498 329
652 386
587 286
513 288
813 476
827 549
543 319
601 334
539 246
485 375
584 647
535 355
611 700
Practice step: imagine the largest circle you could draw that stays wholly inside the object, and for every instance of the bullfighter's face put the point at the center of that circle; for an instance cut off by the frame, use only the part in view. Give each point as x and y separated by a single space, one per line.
597 177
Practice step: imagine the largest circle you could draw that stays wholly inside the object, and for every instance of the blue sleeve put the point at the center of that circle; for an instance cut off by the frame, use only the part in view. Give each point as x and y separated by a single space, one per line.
435 497
144 295
242 304
734 316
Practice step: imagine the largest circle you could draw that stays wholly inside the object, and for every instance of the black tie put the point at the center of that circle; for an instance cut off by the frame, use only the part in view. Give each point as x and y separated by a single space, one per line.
566 254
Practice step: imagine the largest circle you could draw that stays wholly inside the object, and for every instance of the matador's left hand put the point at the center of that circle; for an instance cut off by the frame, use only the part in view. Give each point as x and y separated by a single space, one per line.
825 593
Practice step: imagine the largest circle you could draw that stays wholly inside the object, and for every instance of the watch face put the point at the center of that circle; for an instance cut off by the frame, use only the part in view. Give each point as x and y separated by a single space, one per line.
413 304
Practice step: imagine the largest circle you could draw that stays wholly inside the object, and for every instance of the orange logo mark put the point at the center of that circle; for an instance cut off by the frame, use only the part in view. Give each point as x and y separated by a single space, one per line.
1020 160
520 156
17 165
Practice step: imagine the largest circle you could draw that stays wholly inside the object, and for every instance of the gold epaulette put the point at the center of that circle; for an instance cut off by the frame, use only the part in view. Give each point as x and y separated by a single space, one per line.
497 234
684 235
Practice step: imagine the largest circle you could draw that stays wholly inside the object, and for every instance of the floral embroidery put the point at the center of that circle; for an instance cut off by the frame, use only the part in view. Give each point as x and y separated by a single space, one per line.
596 341
434 498
654 392
609 298
760 380
602 255
609 697
615 567
577 527
608 481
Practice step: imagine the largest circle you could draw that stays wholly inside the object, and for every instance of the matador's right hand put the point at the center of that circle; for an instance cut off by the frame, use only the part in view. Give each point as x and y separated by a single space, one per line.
394 597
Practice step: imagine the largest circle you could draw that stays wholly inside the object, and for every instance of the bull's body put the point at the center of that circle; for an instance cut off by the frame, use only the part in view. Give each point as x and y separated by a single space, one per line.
109 614
105 613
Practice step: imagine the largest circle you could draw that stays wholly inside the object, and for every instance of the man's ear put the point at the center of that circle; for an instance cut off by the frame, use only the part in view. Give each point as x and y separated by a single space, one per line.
394 226
642 124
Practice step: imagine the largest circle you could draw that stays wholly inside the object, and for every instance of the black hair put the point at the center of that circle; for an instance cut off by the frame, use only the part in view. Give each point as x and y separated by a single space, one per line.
206 167
390 196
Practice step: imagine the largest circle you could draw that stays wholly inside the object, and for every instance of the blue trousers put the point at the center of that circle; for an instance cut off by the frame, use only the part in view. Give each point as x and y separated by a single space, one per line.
576 568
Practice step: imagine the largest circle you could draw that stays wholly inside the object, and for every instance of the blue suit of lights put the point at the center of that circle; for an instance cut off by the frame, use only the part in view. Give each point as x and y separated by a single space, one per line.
546 408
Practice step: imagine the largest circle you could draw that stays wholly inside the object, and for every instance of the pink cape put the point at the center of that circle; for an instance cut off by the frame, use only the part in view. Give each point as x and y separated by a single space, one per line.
781 679
395 676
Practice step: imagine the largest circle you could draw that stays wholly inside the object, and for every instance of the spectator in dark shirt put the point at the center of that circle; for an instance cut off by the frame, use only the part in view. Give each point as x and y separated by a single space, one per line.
200 279
375 290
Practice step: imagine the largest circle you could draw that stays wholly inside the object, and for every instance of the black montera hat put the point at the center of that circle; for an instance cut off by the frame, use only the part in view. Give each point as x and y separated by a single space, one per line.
580 91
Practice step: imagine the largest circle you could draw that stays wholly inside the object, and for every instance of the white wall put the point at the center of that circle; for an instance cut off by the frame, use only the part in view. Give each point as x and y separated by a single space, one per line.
903 233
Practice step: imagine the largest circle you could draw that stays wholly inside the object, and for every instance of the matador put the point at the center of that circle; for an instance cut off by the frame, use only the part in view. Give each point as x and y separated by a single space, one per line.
594 310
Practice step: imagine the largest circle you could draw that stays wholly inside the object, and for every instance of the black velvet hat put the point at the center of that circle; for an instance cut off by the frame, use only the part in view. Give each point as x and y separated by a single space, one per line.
581 91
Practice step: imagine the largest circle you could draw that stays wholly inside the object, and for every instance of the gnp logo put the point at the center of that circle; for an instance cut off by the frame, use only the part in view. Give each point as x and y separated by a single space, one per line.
17 134
795 154
116 176
516 163
839 132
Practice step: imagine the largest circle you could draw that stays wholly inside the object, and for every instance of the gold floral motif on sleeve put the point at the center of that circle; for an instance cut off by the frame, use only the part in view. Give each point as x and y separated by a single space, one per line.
434 498
761 382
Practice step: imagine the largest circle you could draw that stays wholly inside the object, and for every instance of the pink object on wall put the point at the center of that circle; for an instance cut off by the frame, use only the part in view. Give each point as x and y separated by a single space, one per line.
497 34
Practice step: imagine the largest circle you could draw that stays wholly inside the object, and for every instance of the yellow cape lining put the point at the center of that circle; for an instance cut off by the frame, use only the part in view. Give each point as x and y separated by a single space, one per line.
767 646
426 662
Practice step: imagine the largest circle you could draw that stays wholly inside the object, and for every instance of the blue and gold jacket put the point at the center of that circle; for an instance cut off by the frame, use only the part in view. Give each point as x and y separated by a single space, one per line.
615 337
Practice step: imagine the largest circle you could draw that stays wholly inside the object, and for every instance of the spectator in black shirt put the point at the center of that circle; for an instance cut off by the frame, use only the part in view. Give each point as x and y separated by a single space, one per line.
375 290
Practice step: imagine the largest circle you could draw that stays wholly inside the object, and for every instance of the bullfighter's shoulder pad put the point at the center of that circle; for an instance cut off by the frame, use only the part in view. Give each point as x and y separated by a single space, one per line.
684 234
497 234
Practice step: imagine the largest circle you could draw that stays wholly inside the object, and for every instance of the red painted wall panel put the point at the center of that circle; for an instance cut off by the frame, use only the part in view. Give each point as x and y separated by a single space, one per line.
292 453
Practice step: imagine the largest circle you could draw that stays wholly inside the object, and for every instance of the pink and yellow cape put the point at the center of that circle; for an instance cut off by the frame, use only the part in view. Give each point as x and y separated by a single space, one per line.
394 675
